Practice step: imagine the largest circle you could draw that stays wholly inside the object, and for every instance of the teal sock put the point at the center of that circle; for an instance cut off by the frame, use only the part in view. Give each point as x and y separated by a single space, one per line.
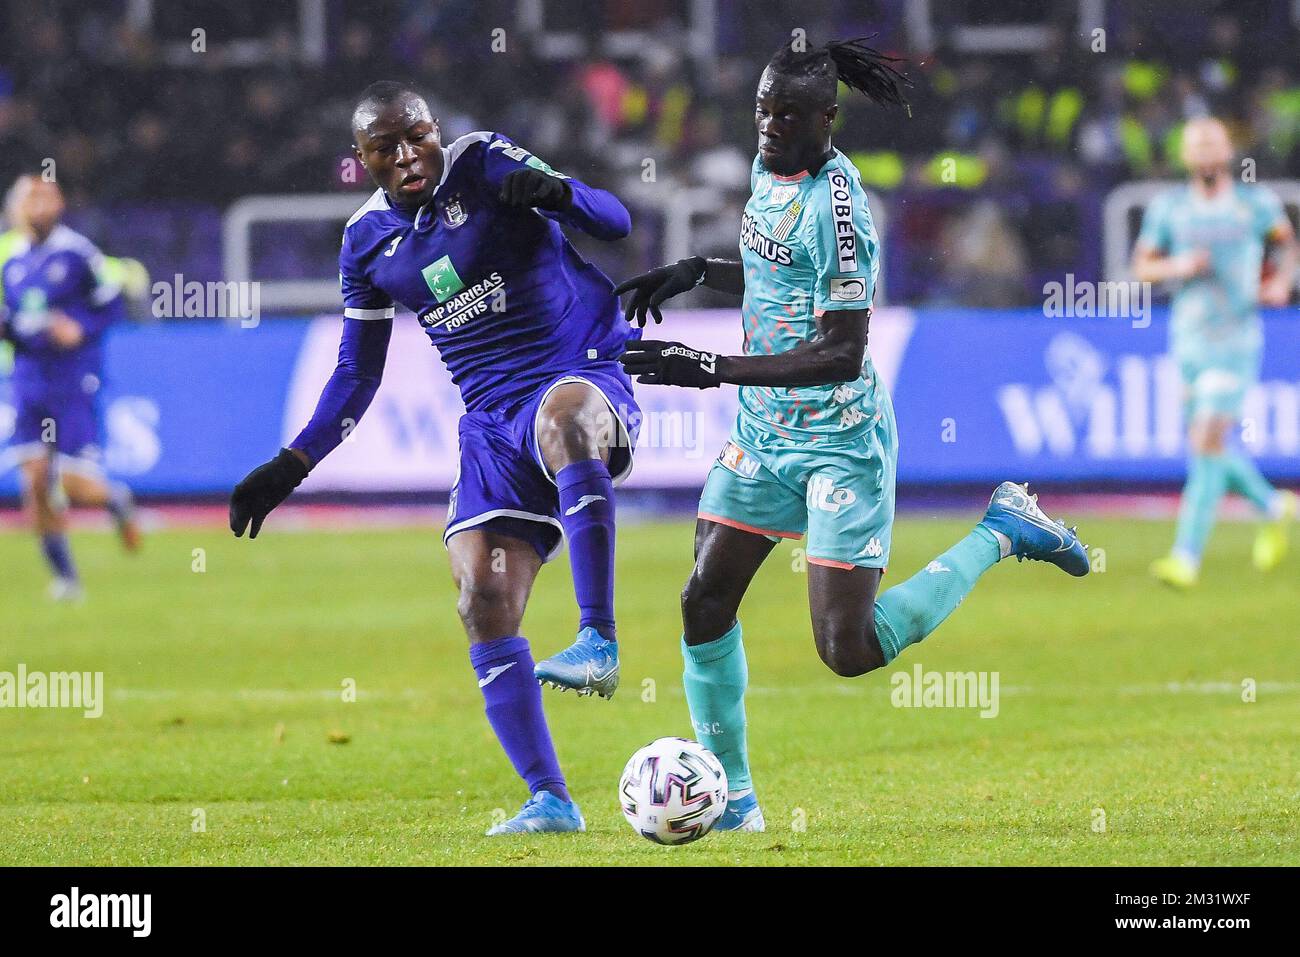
715 678
1245 479
908 612
1207 480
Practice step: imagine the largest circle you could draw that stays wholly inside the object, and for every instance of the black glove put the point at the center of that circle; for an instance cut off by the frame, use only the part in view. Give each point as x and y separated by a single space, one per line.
532 187
262 490
653 287
670 363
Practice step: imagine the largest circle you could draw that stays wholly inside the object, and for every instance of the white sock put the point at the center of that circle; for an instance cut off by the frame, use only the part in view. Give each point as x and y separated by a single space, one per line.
1004 543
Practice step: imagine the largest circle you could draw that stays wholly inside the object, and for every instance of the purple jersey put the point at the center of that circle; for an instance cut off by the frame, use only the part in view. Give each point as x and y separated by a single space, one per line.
500 291
61 274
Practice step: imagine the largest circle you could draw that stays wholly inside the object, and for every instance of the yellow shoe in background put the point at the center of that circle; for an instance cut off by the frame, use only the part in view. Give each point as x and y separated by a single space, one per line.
1273 540
1175 571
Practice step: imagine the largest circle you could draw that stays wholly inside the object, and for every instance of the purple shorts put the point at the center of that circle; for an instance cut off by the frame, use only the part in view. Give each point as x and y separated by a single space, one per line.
66 422
502 485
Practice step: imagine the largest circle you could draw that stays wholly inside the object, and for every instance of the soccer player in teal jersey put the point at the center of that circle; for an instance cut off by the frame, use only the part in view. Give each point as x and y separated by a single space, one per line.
814 445
1209 236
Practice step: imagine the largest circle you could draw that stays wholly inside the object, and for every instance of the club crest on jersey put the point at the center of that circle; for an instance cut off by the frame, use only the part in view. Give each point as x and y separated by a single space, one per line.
788 219
454 213
755 241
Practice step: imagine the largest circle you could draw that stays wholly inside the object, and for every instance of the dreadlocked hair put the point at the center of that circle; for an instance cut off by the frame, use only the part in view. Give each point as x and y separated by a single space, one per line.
851 62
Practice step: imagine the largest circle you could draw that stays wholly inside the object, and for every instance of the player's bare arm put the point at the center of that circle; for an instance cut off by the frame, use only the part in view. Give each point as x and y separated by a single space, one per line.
725 275
1151 265
833 356
1276 289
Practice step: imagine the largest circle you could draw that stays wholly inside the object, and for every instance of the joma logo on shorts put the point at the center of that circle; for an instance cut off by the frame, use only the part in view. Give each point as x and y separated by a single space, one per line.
823 495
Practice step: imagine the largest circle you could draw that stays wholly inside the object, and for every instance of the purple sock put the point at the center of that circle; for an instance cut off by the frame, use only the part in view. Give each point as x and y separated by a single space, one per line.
587 514
513 701
55 547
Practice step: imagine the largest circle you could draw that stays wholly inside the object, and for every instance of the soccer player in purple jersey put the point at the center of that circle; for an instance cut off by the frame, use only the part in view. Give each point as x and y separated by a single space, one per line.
57 305
467 236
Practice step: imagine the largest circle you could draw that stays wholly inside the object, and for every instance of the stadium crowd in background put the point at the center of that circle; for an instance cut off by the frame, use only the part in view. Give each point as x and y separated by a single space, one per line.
1003 163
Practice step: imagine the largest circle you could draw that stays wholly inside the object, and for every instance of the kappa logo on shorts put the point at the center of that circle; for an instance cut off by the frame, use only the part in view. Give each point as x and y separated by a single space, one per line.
824 496
851 417
733 458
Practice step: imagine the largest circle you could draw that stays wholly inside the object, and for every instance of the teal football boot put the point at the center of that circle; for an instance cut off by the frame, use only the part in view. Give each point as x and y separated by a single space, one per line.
1014 513
544 812
588 666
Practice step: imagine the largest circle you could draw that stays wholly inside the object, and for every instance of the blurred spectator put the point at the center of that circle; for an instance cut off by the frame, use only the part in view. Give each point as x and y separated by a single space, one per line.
140 117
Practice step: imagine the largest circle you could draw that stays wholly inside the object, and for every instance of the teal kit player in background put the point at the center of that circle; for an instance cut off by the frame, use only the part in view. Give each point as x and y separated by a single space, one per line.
814 445
1210 236
58 304
467 236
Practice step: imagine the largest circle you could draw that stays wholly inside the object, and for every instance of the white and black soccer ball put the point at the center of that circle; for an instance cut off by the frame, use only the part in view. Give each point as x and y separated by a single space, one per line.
673 791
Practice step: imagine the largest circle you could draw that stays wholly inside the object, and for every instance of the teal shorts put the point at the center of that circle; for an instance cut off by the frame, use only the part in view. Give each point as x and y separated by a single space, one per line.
840 493
1217 385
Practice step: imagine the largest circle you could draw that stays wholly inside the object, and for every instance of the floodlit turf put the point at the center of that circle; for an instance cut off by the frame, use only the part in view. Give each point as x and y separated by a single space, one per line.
224 690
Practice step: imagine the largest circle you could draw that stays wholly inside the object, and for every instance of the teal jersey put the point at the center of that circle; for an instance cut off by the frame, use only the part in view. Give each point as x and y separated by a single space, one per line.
808 247
1216 312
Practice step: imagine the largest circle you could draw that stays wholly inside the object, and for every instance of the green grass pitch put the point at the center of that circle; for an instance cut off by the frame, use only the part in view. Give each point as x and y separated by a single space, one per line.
222 737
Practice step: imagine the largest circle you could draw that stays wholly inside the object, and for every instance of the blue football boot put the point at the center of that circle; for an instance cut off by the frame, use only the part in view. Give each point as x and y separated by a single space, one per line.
742 814
589 665
543 812
1015 513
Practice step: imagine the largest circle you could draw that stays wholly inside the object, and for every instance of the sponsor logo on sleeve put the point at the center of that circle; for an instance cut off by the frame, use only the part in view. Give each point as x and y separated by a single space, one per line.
521 155
846 242
848 290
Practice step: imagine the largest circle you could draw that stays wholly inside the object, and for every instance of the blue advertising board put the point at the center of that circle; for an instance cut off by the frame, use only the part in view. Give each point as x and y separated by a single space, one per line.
189 407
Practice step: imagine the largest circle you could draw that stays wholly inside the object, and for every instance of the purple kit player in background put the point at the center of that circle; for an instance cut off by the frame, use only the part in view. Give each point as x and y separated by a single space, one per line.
57 306
468 237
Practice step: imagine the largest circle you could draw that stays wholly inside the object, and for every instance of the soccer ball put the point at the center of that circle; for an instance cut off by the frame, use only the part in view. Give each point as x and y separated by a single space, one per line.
673 791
